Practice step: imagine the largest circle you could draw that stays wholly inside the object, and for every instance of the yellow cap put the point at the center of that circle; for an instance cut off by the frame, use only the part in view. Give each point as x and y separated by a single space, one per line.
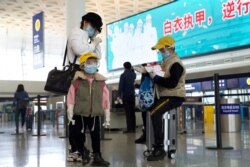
164 41
85 56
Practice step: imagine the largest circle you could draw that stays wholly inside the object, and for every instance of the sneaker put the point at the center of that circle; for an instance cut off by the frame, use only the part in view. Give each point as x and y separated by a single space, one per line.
70 157
157 154
78 157
74 157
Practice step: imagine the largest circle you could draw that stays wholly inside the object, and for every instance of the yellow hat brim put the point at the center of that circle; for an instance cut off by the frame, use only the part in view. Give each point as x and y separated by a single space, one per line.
158 46
86 57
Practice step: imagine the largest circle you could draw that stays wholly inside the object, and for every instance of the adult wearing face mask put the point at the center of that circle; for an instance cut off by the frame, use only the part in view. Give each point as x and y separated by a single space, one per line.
81 40
84 38
169 89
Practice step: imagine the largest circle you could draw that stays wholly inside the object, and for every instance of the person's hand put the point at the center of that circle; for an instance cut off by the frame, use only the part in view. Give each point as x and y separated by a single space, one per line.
140 69
107 118
119 100
70 113
152 74
96 40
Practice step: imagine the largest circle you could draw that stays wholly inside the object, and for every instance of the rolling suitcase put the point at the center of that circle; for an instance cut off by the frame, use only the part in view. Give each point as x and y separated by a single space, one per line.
29 118
170 131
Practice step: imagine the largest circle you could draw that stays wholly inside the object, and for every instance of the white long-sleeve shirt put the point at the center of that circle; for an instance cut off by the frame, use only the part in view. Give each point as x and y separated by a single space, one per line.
78 43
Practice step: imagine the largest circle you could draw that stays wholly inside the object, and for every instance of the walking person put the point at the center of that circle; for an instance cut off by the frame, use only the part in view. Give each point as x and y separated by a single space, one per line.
126 92
21 101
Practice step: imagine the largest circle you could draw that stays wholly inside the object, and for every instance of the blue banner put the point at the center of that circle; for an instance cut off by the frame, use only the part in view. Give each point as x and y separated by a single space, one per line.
198 26
230 108
38 40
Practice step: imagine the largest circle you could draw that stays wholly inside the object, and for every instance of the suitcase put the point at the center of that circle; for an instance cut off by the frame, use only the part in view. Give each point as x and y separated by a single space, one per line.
29 118
170 131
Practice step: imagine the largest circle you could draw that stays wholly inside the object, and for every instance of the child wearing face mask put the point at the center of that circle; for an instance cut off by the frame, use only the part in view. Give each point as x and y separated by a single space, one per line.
87 100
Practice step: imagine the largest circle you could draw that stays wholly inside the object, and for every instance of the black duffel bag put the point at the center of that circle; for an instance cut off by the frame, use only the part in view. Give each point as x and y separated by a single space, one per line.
58 81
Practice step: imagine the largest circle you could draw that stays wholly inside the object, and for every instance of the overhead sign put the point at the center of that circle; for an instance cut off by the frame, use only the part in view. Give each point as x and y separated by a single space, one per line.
244 82
193 87
198 26
230 109
232 83
38 40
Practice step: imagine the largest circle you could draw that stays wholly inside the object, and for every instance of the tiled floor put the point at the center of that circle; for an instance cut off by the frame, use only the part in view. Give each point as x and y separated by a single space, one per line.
50 150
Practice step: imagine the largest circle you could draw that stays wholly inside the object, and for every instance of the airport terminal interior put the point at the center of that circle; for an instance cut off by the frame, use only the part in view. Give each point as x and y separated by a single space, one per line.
211 39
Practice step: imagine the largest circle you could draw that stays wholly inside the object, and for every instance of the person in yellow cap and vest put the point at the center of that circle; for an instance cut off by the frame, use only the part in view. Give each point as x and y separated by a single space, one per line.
169 90
87 100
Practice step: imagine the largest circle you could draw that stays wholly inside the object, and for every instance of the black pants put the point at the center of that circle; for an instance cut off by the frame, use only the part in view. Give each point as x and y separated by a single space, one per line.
72 141
129 106
77 130
22 111
157 113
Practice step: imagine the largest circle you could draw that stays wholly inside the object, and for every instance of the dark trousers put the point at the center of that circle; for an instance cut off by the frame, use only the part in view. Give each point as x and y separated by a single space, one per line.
72 141
166 105
129 106
77 130
22 112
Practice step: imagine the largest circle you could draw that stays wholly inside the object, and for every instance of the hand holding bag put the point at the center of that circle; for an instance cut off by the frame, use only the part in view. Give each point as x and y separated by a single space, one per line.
58 81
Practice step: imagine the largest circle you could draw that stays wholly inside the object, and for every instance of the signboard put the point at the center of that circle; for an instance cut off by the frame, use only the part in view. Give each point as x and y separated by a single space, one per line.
232 83
206 85
209 85
230 109
198 26
222 84
191 87
38 40
244 82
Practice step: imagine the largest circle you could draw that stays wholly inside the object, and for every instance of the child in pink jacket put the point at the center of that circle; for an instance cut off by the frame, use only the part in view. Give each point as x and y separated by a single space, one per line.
87 100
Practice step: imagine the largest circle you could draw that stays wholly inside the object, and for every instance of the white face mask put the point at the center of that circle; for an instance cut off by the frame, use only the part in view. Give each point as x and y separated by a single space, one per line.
165 55
90 30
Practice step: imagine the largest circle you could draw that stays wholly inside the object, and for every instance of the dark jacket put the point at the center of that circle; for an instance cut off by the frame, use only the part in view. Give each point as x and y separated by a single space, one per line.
21 99
126 84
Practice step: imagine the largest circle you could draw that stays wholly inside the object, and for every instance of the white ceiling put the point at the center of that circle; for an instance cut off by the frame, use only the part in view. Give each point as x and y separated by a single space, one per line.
18 13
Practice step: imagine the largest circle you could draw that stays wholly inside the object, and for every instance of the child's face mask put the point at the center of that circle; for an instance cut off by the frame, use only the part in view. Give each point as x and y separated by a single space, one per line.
90 68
